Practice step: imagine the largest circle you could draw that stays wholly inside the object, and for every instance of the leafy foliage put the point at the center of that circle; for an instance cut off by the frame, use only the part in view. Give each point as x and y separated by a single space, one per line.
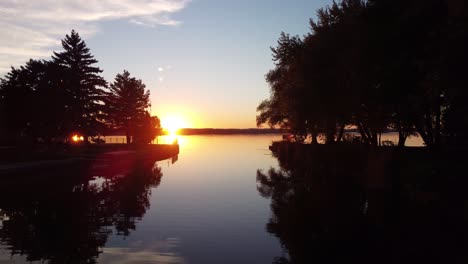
373 65
84 86
46 101
127 103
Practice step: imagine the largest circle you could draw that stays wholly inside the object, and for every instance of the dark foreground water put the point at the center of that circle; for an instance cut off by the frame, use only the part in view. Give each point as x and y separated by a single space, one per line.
226 199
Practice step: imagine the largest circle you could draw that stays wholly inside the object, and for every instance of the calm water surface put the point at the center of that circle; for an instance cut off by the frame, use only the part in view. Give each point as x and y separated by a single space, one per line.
207 208
200 207
216 202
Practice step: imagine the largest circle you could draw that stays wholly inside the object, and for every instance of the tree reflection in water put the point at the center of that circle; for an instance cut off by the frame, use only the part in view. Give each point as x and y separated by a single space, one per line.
67 216
379 209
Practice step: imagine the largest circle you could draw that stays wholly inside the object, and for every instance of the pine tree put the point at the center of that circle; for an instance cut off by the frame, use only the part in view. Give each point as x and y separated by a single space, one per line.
127 103
83 85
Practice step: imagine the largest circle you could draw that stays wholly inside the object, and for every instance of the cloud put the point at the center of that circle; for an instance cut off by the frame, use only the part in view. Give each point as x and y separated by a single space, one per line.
150 21
32 29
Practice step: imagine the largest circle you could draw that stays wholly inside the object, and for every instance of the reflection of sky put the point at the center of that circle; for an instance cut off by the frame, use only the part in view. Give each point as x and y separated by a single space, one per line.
207 208
158 252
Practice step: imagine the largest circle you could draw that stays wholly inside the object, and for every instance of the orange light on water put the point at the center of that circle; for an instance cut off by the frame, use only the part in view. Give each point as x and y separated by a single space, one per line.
172 139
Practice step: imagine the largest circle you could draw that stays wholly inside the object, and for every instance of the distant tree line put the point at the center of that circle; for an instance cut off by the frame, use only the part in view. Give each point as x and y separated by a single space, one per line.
374 65
48 100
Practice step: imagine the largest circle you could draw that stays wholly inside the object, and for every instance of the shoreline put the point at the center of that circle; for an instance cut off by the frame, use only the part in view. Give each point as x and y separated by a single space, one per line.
82 156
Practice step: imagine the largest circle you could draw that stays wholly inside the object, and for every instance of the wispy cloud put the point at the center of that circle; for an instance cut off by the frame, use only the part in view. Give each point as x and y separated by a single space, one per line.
32 29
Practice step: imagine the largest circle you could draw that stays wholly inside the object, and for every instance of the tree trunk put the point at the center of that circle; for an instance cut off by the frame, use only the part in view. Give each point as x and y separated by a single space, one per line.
437 125
374 139
127 132
128 138
331 131
364 136
428 129
401 134
369 135
401 139
314 135
426 137
340 135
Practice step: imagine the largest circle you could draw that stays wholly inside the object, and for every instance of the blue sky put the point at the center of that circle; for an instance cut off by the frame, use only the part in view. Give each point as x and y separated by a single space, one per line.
204 61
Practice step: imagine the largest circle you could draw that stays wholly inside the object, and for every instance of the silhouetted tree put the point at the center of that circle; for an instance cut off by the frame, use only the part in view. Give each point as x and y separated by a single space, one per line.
85 94
48 118
454 77
373 65
16 97
147 127
127 103
45 101
32 101
334 44
312 83
3 128
282 109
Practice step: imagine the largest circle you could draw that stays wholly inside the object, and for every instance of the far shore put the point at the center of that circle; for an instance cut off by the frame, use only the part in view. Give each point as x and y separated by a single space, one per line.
229 131
244 131
237 131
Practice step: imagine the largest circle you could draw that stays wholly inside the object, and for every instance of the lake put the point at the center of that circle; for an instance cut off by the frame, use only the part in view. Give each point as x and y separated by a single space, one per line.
227 199
204 207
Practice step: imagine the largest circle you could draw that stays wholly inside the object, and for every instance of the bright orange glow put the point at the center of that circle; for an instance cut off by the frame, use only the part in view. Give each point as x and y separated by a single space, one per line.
187 117
77 138
171 139
172 124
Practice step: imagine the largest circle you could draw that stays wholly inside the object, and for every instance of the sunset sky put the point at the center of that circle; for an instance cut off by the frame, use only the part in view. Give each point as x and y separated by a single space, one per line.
204 61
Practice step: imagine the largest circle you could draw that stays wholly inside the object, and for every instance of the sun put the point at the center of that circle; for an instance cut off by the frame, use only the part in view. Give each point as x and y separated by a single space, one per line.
172 124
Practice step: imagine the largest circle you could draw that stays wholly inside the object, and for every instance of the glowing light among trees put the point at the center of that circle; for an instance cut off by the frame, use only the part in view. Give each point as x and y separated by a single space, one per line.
77 138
